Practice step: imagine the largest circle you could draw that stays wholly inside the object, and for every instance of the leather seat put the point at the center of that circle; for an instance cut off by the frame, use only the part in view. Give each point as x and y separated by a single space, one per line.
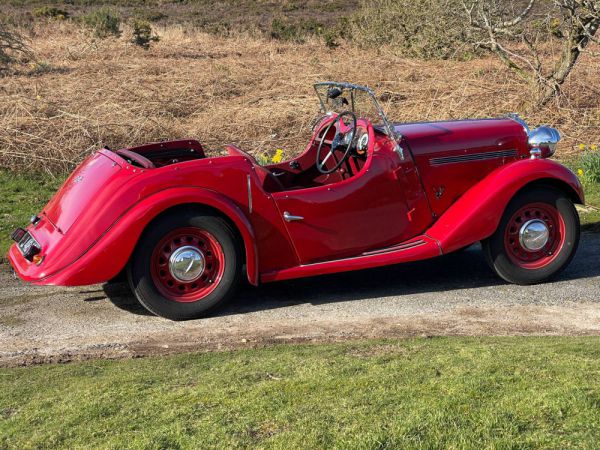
269 182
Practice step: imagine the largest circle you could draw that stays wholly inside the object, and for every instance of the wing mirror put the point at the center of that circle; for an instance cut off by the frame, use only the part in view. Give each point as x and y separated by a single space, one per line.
334 92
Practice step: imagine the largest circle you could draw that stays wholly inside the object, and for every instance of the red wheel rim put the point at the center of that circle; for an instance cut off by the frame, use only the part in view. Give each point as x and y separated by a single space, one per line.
535 259
194 290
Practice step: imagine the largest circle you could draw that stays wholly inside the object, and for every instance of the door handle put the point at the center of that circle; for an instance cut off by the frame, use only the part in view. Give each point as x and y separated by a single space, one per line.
290 218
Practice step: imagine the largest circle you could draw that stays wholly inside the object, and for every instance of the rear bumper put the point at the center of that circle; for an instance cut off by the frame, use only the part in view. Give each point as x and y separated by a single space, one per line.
26 270
97 264
57 252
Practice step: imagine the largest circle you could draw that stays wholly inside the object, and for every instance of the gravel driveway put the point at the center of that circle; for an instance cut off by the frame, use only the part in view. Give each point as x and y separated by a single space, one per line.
453 295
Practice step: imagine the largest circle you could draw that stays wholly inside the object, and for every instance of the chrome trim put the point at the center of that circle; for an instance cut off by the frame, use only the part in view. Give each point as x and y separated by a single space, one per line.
249 194
534 235
187 263
472 157
395 248
408 246
544 137
389 130
519 120
290 218
535 153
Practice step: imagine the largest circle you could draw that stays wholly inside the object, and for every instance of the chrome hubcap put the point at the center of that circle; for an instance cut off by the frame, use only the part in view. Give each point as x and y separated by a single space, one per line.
187 263
534 235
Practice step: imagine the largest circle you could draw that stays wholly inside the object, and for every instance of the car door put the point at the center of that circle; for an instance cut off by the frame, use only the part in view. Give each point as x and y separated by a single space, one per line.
366 212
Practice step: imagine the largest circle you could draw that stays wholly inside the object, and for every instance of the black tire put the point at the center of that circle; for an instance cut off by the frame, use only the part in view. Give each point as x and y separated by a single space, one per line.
147 289
524 273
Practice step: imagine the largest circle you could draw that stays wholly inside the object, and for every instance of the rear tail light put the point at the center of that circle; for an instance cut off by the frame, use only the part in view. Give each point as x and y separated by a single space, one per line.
37 259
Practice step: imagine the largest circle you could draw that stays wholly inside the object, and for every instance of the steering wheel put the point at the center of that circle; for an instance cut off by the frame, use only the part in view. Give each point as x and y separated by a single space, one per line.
339 140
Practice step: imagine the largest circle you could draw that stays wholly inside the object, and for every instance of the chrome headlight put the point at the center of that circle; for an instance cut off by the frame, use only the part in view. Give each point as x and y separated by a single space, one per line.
542 141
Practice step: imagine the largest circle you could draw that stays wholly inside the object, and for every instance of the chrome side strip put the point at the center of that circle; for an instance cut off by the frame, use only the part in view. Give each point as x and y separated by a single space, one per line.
381 251
395 248
472 157
249 194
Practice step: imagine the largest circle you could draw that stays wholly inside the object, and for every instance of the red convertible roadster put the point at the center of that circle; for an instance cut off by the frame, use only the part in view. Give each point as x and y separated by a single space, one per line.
365 192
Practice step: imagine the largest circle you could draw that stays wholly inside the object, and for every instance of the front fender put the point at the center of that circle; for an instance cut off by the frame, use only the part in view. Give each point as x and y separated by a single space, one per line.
109 254
476 215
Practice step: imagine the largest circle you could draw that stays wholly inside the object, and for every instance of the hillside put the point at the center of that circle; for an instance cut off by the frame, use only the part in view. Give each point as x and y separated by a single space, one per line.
82 92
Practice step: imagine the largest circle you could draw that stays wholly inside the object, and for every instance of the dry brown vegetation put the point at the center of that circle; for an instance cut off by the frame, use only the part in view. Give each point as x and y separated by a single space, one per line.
257 92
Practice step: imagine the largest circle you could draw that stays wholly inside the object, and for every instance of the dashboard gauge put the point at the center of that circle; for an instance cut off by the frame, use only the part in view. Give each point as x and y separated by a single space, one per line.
362 144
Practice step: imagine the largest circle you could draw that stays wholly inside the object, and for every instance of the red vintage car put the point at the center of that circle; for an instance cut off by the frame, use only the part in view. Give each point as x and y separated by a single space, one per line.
365 192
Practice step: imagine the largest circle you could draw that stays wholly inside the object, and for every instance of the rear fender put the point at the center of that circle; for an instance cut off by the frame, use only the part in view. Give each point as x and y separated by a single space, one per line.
110 253
476 215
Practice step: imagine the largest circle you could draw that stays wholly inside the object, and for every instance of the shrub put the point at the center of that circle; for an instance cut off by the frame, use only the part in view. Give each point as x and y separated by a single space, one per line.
104 22
51 12
416 28
12 44
295 31
331 39
151 15
142 34
589 165
284 31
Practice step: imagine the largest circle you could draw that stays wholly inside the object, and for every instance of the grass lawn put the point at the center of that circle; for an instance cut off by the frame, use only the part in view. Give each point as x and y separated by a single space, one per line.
22 196
520 392
590 219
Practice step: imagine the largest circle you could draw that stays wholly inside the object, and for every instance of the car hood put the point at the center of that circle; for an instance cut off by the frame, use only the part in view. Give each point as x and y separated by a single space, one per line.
461 135
452 156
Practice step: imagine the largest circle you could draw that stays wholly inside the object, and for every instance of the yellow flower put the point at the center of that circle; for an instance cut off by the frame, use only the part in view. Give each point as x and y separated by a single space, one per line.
593 147
580 172
581 146
278 156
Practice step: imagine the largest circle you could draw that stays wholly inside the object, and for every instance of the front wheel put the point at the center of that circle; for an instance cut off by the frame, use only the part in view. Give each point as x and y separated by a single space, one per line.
537 237
185 265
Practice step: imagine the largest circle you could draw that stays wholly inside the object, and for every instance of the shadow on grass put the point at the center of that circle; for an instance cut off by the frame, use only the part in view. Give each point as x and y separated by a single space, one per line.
462 270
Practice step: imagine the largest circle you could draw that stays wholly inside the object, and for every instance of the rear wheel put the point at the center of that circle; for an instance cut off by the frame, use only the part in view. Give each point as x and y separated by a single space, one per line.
185 265
537 237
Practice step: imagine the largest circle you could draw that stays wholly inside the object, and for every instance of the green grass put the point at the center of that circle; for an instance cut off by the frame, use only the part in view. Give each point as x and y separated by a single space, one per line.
22 196
424 393
590 218
590 215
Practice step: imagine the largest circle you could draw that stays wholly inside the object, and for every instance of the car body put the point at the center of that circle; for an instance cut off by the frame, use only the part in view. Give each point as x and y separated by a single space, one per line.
401 192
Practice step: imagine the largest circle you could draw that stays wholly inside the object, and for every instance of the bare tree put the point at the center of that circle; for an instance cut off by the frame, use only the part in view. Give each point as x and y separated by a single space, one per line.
11 45
519 36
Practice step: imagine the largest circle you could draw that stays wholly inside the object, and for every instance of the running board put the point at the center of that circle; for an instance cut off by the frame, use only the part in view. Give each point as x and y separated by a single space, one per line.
420 247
